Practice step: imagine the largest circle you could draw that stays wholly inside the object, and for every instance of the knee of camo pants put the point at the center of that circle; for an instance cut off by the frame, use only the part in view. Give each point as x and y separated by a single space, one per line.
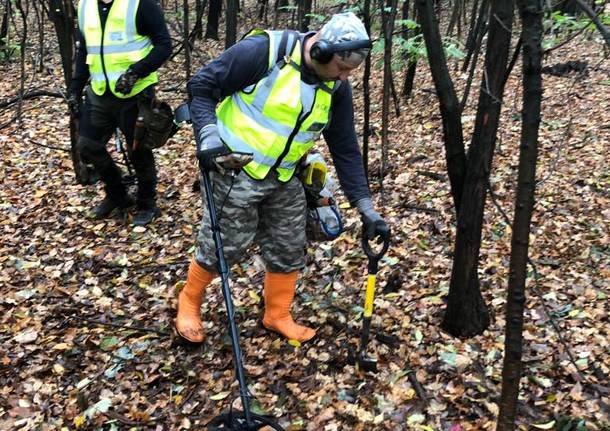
281 230
237 217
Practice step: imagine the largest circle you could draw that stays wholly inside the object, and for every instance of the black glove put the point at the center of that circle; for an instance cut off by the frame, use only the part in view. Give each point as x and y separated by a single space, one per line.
209 147
74 102
126 81
372 223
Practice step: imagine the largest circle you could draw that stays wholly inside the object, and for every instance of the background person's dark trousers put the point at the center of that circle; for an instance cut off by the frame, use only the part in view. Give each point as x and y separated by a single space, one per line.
100 117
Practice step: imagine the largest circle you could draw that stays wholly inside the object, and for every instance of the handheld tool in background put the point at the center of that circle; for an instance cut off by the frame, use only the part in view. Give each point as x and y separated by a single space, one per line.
364 362
130 178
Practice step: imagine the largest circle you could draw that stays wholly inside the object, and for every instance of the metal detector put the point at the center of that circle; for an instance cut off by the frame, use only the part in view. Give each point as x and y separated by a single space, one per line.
233 420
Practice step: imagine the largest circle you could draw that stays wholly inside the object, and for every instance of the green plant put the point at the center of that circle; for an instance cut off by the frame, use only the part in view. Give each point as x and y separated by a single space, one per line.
287 8
8 49
413 48
408 23
316 17
558 26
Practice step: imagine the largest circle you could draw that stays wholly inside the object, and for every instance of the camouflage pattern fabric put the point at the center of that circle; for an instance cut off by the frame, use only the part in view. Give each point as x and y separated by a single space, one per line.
267 212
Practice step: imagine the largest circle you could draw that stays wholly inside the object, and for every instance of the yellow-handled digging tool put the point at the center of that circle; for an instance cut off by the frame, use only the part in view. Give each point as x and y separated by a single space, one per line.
367 363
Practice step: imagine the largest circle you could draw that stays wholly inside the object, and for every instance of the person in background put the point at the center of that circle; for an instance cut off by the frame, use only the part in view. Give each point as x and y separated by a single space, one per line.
122 45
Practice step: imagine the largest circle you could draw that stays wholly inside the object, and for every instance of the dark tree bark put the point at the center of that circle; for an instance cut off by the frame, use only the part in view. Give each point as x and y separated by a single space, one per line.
513 60
466 313
593 16
303 15
263 6
277 9
23 13
474 43
211 30
199 10
63 16
473 53
407 87
366 93
473 19
4 39
566 6
387 22
231 23
449 104
395 97
455 16
531 18
39 10
185 39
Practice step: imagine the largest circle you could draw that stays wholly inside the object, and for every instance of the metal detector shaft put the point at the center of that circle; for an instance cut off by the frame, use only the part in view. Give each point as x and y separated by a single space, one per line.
223 270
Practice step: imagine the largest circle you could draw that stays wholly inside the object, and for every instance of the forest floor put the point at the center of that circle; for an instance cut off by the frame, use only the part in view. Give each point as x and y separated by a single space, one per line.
87 306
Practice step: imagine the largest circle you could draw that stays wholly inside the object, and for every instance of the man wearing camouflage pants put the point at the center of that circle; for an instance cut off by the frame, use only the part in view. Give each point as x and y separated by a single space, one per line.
278 91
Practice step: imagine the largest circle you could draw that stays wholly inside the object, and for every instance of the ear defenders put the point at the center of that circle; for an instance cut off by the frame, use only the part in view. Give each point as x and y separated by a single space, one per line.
322 51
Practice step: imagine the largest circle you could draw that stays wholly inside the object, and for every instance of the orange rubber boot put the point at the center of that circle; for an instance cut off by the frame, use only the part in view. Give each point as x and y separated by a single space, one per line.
188 320
278 293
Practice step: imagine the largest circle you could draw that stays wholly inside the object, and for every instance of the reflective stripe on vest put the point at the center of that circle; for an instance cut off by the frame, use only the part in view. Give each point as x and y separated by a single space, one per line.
112 49
278 118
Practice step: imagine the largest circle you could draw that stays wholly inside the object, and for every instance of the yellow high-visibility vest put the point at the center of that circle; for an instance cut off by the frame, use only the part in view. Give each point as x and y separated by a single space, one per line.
279 118
112 49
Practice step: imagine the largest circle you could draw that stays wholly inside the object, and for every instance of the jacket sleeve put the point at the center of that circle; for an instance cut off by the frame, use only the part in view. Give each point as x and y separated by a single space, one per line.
243 64
150 22
340 135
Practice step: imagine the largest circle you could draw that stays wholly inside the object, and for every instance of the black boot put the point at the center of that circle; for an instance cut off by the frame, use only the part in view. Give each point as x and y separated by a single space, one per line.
146 215
147 209
108 205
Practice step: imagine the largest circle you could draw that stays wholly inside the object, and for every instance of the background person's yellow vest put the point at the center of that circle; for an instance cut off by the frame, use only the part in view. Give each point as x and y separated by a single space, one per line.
112 49
278 118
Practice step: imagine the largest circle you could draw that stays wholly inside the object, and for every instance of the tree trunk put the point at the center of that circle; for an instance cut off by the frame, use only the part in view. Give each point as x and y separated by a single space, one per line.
262 10
449 105
211 30
472 57
473 20
407 87
464 292
39 10
531 18
185 39
197 32
4 39
304 11
366 94
474 42
22 48
387 20
231 23
593 16
278 8
63 16
198 28
566 6
455 13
